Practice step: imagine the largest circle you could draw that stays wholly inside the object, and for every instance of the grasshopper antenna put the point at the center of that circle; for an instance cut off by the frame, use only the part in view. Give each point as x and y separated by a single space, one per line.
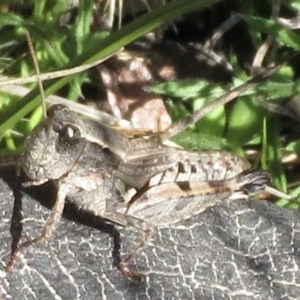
37 70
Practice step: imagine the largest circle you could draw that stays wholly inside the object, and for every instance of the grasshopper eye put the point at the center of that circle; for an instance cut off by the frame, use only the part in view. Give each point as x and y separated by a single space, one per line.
68 137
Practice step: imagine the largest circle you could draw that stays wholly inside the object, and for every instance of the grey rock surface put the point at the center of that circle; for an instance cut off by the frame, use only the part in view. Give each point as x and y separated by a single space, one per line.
237 250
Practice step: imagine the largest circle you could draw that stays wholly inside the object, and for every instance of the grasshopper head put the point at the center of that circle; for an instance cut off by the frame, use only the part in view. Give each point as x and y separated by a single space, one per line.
54 146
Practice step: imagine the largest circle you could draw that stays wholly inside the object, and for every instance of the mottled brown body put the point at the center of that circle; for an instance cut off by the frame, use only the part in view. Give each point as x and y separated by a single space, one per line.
134 182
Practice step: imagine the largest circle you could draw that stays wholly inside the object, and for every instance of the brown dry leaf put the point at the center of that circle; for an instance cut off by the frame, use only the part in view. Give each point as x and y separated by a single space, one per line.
126 74
124 77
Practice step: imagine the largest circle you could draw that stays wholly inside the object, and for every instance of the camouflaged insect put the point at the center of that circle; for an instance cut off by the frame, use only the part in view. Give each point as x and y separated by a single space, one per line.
136 182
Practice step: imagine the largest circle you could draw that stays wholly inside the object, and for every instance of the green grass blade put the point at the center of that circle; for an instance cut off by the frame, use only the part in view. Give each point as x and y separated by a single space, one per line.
284 35
100 50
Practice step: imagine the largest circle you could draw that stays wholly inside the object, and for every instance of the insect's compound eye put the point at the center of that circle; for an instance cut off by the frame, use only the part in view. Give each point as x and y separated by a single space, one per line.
68 137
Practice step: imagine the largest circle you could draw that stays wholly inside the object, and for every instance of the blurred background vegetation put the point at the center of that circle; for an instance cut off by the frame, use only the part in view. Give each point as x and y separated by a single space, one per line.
178 54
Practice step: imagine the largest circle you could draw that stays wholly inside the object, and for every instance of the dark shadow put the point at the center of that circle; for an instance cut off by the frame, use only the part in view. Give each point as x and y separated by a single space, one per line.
85 218
45 195
9 175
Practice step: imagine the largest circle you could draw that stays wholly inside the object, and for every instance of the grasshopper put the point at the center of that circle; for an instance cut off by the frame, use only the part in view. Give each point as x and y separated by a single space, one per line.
137 182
